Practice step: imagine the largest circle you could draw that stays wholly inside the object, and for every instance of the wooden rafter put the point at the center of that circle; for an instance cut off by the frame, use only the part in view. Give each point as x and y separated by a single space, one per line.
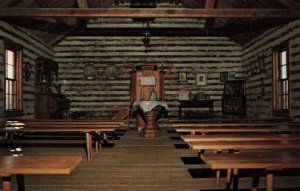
149 13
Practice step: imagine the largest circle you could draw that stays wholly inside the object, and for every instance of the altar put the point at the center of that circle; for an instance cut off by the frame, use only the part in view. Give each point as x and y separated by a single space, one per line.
151 112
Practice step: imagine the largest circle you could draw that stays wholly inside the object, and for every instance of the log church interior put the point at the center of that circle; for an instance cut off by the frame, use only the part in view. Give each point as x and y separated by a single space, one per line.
147 95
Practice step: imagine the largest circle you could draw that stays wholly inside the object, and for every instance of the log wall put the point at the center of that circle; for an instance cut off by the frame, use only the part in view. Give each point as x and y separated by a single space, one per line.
104 97
263 45
32 48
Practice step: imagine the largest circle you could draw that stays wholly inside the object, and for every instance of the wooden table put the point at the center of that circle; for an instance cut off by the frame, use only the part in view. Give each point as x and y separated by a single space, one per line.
197 104
270 161
20 166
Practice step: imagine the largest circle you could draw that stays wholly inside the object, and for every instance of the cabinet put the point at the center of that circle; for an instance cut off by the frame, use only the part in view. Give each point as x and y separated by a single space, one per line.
49 102
147 83
234 99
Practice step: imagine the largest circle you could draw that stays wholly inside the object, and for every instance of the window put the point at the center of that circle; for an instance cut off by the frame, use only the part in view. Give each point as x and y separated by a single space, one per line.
13 81
281 85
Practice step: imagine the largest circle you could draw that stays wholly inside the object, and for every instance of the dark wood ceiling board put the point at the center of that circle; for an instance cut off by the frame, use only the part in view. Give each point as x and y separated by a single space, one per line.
239 31
58 3
58 38
292 4
11 3
191 4
27 3
100 3
243 39
270 3
81 22
150 13
38 24
211 4
107 3
226 4
254 26
62 25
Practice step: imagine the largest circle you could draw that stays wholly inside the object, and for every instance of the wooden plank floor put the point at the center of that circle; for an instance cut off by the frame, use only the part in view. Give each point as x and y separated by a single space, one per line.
132 164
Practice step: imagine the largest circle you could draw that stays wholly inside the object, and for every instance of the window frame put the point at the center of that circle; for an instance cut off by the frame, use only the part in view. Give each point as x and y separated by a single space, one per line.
278 109
17 109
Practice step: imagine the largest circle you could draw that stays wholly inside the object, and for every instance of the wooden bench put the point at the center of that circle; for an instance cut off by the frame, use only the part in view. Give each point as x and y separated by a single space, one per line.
204 130
244 145
239 137
20 166
88 128
223 125
224 120
270 161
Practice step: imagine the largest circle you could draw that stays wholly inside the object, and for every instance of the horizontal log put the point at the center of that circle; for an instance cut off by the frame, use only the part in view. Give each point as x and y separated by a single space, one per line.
149 13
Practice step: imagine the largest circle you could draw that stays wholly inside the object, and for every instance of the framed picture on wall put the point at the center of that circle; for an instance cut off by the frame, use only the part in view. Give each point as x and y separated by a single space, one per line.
182 77
201 80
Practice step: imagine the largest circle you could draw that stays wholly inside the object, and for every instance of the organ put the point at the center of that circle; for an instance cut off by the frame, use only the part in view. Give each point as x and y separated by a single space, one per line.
50 103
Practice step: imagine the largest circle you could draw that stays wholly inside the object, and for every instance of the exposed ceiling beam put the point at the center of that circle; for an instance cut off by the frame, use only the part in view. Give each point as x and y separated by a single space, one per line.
149 13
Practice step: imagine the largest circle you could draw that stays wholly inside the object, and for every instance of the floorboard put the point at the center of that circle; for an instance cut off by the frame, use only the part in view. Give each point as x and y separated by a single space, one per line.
132 163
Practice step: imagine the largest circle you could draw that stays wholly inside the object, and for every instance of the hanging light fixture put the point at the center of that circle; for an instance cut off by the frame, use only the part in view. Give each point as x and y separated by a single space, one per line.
146 39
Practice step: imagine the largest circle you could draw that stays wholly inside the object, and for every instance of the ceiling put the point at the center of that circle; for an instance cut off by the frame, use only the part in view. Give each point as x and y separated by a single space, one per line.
240 26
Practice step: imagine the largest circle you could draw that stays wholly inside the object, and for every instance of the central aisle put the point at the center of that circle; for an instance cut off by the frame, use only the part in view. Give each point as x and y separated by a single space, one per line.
137 163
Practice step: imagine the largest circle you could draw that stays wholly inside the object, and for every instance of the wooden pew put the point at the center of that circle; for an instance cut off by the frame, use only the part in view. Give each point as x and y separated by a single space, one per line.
230 129
63 127
21 166
270 161
223 125
239 137
244 145
224 120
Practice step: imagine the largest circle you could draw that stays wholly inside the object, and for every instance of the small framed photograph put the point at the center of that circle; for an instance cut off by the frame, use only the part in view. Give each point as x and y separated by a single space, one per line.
223 76
182 77
201 80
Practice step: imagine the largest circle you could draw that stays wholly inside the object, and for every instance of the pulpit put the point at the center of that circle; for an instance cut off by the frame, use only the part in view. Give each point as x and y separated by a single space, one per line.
147 84
150 111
